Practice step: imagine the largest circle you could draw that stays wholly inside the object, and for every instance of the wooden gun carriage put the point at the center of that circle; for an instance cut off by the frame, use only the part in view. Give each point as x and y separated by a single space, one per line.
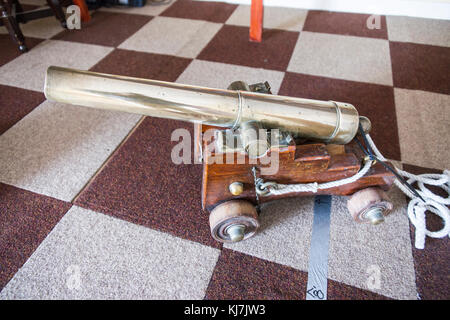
242 133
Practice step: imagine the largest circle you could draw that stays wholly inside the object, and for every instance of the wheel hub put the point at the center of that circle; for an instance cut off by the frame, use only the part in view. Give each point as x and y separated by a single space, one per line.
375 216
236 232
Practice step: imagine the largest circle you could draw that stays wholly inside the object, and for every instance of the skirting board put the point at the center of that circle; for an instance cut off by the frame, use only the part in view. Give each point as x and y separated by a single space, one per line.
438 9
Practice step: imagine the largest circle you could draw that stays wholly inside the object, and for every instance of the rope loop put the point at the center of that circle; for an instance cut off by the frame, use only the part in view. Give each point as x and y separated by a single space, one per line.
416 214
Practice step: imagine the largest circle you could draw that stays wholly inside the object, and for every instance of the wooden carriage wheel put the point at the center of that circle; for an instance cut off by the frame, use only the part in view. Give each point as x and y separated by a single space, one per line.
233 221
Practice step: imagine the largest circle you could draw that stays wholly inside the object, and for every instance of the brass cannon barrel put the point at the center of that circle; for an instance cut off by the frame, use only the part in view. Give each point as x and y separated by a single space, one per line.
328 121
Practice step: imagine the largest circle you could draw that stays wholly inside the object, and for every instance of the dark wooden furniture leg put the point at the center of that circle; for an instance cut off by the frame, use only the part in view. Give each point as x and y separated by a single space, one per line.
18 9
12 26
59 13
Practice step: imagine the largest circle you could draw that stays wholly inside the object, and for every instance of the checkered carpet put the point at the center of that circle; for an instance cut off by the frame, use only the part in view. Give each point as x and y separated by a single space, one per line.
92 207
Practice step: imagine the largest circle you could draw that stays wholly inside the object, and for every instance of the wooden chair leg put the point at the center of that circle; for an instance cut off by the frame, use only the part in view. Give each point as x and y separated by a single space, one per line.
58 11
12 26
18 9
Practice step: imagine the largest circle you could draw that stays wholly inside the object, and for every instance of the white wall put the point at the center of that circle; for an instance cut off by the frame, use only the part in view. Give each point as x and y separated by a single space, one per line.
436 9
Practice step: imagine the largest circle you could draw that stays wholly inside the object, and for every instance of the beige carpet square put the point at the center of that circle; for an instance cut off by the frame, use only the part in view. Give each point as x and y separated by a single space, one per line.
360 253
342 57
28 70
221 75
425 31
57 148
89 255
147 10
285 233
424 127
188 37
40 28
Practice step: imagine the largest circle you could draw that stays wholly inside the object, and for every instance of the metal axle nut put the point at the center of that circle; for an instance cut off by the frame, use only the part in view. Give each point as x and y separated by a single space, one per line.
236 232
375 216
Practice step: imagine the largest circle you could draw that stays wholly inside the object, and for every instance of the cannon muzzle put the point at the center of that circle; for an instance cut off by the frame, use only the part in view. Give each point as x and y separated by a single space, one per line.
328 121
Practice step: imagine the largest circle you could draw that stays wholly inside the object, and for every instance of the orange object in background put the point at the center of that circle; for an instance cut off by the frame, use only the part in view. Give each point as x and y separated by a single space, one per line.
256 20
84 11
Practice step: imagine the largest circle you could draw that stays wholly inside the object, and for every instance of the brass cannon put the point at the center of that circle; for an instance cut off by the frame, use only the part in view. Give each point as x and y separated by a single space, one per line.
255 146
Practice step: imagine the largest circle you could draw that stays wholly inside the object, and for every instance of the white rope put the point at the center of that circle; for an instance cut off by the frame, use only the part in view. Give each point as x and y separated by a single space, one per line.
416 207
433 203
279 189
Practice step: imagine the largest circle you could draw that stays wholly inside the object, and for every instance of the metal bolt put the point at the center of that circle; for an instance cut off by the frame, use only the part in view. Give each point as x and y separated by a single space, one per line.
289 139
236 232
375 216
236 188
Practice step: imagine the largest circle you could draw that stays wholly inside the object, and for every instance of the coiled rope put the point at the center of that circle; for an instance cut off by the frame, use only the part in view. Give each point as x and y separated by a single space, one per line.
428 201
422 199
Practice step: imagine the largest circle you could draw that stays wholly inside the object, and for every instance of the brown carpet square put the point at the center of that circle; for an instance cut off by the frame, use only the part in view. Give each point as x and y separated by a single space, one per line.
142 185
371 100
9 49
231 45
197 10
240 276
26 219
142 65
106 29
16 103
420 67
351 24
